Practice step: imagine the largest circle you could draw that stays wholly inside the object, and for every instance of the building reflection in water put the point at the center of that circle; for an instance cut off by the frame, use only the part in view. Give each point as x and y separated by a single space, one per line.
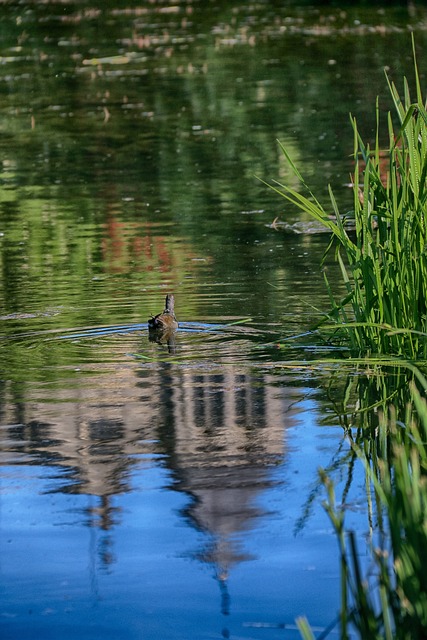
229 431
221 432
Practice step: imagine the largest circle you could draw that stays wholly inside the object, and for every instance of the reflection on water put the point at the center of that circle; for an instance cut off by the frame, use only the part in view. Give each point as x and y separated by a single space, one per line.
208 423
134 470
214 428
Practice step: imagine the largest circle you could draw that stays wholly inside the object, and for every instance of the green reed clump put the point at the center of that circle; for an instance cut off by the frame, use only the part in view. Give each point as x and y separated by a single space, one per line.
391 601
384 263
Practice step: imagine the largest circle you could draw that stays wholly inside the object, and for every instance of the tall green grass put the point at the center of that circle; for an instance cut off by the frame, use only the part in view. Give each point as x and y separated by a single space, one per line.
385 597
384 262
391 600
383 316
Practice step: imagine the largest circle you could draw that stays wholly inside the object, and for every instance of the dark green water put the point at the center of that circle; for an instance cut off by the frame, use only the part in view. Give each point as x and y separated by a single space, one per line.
149 492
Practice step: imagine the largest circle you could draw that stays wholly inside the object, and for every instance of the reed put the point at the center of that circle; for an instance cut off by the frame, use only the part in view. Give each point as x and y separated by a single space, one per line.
384 262
391 601
383 317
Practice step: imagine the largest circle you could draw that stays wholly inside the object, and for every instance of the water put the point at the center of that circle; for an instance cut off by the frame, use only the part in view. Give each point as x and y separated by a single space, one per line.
171 491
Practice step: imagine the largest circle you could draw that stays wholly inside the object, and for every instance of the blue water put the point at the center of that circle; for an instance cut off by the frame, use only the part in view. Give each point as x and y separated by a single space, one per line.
172 552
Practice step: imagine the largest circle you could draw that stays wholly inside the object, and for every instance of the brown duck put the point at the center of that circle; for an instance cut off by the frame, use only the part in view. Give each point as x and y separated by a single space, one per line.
166 320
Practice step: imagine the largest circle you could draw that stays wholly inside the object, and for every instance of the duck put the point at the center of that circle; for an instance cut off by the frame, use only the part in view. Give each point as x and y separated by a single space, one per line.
165 321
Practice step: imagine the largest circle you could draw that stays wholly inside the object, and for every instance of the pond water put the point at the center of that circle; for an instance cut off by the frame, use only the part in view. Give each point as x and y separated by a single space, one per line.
154 490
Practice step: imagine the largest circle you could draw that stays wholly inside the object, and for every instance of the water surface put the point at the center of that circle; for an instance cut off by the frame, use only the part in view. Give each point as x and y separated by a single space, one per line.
171 491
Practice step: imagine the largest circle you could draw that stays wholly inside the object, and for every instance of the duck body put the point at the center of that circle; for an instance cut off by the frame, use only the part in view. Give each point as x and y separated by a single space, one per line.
165 321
